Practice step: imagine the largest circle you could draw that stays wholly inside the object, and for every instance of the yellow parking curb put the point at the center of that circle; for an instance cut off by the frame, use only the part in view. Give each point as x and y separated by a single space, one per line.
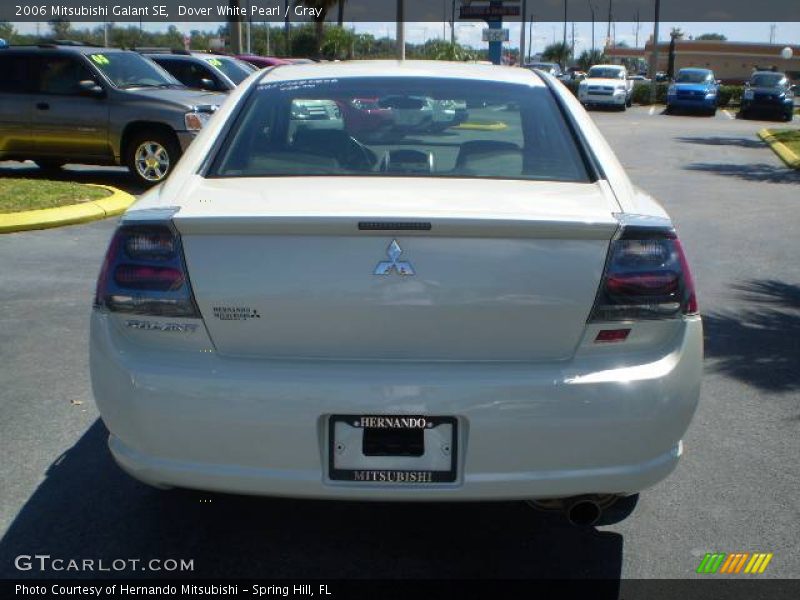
45 218
786 154
492 126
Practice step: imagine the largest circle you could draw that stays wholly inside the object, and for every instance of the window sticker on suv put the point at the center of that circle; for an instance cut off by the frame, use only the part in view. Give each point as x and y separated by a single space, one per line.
100 59
214 62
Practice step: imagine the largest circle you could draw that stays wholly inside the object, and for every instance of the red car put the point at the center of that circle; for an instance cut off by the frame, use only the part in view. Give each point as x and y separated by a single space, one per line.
365 116
262 62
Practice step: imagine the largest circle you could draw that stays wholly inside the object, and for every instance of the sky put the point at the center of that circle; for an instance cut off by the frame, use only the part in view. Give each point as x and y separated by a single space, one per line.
469 33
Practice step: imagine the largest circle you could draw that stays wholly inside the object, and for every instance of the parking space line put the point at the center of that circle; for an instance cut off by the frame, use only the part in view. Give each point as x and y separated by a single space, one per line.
652 110
728 113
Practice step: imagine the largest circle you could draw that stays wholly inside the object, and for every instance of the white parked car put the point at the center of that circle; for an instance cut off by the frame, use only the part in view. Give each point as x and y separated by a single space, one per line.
606 85
491 314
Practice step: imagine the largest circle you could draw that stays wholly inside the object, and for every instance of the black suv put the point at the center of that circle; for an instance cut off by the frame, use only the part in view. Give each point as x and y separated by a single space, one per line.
64 103
768 92
201 71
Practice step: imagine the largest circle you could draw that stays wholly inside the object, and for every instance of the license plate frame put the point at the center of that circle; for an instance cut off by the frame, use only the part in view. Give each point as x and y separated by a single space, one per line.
397 476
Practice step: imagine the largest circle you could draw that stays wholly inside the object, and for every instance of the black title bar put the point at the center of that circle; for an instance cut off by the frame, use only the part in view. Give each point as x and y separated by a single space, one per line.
167 11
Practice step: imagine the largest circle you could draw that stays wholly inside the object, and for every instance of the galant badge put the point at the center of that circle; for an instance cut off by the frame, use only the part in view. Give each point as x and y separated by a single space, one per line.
401 267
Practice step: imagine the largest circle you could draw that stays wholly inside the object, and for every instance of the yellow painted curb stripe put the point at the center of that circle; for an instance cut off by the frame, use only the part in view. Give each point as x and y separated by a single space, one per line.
496 126
45 218
788 156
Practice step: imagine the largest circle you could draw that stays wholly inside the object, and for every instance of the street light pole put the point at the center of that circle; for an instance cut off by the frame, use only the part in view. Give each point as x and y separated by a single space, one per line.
453 22
591 8
530 37
564 45
249 25
287 33
401 32
654 55
522 33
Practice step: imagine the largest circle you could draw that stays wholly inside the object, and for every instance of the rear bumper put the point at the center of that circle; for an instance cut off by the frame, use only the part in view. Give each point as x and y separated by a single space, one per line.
307 484
198 420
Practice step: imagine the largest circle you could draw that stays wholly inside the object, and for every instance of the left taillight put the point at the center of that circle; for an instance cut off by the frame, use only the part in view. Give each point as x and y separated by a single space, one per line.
646 277
144 273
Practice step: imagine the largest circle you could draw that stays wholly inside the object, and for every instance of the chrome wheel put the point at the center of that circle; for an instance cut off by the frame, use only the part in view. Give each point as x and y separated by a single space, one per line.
151 161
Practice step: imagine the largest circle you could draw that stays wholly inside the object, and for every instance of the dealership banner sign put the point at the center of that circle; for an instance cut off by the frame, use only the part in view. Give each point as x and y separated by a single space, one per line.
387 10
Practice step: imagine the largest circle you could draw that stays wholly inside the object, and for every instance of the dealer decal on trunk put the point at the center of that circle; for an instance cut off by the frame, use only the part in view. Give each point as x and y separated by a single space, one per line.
235 313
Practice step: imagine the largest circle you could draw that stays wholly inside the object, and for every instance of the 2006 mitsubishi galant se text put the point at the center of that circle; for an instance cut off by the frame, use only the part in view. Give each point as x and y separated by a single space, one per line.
489 311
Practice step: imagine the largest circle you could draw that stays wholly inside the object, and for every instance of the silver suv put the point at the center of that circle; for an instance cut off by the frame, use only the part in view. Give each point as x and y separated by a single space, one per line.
64 103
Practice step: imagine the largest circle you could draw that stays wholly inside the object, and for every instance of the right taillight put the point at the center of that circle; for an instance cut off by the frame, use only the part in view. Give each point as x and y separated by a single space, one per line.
646 277
144 273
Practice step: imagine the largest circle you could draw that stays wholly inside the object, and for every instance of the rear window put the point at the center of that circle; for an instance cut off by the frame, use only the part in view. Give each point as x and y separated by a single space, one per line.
402 126
766 80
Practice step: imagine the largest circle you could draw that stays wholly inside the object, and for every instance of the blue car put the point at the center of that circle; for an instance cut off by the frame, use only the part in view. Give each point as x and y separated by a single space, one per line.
693 90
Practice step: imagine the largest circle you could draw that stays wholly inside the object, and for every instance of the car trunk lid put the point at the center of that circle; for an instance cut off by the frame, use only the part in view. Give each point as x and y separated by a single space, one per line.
414 269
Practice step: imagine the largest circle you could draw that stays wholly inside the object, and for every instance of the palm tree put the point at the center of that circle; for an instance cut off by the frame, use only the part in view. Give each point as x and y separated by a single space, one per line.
323 7
60 28
558 52
441 50
588 58
675 34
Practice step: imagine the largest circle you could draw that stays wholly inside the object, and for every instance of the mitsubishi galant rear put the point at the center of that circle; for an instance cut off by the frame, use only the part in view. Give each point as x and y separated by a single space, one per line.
321 304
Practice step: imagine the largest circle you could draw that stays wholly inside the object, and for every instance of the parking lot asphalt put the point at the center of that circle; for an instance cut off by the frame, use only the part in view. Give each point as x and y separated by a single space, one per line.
737 210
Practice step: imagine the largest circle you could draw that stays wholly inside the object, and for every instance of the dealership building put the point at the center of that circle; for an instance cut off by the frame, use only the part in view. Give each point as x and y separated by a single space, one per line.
732 62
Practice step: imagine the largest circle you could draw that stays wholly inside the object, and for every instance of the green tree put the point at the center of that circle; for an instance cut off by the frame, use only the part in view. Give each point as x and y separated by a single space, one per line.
588 58
126 37
438 49
173 38
60 27
558 52
712 36
322 8
304 41
454 51
367 46
338 43
7 31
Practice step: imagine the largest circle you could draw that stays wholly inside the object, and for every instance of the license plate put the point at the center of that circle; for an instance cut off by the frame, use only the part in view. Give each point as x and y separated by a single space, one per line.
401 449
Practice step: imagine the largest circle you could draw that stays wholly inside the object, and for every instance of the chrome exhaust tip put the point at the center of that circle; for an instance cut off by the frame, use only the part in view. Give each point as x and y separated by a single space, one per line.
589 509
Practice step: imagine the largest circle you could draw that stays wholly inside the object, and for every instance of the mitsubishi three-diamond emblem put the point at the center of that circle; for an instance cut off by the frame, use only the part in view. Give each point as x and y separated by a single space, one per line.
401 267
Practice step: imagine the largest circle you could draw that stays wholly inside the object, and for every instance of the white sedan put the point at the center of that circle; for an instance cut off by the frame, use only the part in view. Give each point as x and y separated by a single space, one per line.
493 314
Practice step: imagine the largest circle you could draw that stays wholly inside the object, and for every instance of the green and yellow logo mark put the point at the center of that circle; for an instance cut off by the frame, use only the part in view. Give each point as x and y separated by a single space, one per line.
100 59
738 562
